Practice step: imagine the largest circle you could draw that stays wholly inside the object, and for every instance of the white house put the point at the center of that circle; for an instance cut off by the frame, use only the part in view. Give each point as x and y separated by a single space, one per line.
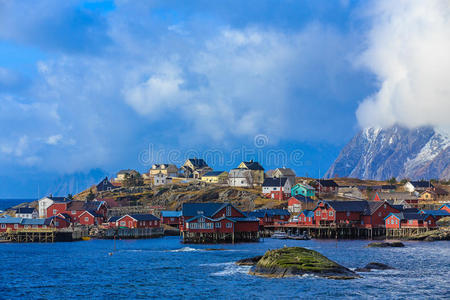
27 213
240 177
45 203
277 188
285 173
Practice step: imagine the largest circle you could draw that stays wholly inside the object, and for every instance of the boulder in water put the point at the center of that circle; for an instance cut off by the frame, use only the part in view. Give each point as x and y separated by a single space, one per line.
374 266
385 244
294 261
249 261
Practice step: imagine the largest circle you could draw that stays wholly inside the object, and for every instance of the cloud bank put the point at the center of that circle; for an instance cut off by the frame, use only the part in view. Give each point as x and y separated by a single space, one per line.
408 48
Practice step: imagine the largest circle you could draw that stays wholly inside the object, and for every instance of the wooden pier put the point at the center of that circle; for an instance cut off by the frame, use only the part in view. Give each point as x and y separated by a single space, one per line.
47 235
405 232
219 237
330 232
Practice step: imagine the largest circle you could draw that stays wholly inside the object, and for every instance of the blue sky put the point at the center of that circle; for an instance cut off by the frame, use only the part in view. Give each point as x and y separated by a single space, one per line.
87 87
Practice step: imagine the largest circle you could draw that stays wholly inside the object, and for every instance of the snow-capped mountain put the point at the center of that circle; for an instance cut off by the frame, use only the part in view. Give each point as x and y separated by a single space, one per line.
376 153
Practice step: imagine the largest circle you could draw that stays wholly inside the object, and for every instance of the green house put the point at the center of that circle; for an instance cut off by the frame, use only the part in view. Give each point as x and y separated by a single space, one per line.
303 189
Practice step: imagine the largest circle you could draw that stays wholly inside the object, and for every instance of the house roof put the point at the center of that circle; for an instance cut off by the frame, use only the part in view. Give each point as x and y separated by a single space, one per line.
10 220
388 187
421 184
92 212
440 191
144 217
198 163
213 173
25 210
171 213
305 186
396 196
327 183
114 218
127 171
272 212
205 209
285 171
274 182
59 199
372 207
307 213
408 216
445 205
253 165
85 205
34 222
435 212
302 198
352 206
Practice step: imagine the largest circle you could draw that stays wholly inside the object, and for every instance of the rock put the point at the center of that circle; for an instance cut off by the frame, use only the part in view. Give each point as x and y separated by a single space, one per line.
378 266
374 266
293 261
215 249
249 261
386 244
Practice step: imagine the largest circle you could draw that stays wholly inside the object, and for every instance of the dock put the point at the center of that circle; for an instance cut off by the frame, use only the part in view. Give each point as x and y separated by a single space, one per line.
47 235
131 233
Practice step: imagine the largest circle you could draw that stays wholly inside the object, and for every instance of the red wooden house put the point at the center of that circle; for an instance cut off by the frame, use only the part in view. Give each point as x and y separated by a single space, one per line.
57 208
97 208
137 221
171 218
409 220
276 188
89 218
305 218
298 203
268 217
339 212
12 224
375 213
216 221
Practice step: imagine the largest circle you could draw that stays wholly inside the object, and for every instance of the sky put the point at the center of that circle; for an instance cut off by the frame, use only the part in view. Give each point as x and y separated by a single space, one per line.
91 87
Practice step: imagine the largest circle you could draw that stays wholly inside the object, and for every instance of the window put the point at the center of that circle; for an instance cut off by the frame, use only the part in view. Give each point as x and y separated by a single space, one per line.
73 212
379 214
44 226
122 223
86 219
27 226
410 221
218 225
228 211
348 214
56 224
55 211
172 219
16 226
330 213
3 226
229 225
318 213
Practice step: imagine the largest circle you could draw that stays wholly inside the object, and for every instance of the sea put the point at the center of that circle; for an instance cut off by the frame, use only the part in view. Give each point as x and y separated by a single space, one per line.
164 268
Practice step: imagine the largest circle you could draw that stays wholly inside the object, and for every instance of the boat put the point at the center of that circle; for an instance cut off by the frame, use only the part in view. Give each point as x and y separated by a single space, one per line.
303 236
85 238
279 235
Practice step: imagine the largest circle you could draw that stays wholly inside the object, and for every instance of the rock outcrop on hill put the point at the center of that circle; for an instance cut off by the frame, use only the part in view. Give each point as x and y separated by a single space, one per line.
380 154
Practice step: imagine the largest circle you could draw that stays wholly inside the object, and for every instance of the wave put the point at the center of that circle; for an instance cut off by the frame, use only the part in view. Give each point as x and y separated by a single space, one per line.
232 269
185 249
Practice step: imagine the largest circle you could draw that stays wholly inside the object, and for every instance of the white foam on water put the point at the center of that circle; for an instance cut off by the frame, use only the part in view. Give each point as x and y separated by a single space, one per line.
232 269
185 249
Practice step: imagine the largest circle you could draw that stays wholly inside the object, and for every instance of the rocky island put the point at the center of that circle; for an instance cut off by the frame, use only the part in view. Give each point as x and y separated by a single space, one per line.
294 261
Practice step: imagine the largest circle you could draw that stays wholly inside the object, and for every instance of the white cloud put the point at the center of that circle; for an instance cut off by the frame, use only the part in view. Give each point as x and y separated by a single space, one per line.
54 139
408 49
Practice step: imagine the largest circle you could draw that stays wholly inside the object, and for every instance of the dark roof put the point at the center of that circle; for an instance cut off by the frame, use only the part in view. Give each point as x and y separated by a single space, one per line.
327 183
114 218
302 198
128 171
213 173
435 212
105 184
388 187
170 213
353 206
198 162
253 165
307 213
205 209
409 216
440 191
421 184
372 206
273 212
59 199
275 181
84 205
144 217
94 213
25 210
410 210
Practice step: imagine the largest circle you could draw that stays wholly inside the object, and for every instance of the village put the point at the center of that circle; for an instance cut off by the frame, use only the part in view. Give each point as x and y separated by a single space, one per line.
241 205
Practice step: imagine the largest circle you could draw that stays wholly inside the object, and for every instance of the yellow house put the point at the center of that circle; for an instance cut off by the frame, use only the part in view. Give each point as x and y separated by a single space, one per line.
195 168
256 169
169 170
217 177
428 196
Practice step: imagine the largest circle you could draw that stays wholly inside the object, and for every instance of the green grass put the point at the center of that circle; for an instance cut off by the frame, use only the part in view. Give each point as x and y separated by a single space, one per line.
297 258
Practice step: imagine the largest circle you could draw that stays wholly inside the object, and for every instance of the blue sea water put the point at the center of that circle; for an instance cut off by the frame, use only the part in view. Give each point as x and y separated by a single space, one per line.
164 268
